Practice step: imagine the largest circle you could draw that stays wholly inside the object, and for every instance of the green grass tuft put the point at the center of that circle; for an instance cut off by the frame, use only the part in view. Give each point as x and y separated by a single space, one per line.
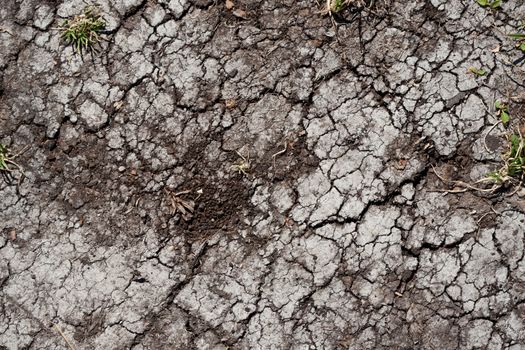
490 3
82 32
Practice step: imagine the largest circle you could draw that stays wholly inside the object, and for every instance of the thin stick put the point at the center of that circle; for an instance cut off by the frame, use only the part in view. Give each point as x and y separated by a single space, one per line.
487 134
242 157
274 156
516 190
71 347
21 151
483 216
3 30
462 183
199 192
181 193
518 98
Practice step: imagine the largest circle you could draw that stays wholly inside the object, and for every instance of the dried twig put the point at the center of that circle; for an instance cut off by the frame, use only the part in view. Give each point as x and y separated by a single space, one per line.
70 346
274 156
464 184
4 30
487 134
483 216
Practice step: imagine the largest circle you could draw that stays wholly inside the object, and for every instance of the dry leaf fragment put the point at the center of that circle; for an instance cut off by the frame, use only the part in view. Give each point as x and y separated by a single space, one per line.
230 103
401 164
182 206
118 105
229 4
240 13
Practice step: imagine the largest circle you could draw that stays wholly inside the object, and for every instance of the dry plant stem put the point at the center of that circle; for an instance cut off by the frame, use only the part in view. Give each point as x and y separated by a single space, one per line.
483 216
445 192
328 10
464 184
242 157
520 148
22 151
492 127
487 134
181 193
3 30
274 156
242 166
10 160
517 189
16 165
518 98
44 326
70 346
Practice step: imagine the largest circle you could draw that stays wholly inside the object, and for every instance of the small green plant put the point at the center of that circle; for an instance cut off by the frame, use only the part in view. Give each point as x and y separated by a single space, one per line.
520 40
7 162
502 110
513 159
512 171
494 4
82 32
477 71
335 6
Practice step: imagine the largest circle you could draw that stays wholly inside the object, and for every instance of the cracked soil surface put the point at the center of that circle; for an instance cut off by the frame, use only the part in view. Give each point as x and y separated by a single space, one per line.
338 236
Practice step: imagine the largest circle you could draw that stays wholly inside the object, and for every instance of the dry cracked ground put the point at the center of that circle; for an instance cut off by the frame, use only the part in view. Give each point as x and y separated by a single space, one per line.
334 231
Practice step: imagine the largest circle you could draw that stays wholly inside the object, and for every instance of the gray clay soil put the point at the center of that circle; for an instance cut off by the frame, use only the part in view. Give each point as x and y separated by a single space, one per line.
338 236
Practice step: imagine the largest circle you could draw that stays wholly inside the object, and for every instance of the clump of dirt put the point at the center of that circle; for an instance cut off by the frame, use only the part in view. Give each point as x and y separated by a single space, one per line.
219 205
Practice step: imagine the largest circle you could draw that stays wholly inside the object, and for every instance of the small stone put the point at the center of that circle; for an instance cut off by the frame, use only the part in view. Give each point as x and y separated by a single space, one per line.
93 115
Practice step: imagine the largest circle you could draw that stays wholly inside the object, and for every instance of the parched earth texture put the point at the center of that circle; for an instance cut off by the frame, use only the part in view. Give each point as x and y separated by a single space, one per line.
337 236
